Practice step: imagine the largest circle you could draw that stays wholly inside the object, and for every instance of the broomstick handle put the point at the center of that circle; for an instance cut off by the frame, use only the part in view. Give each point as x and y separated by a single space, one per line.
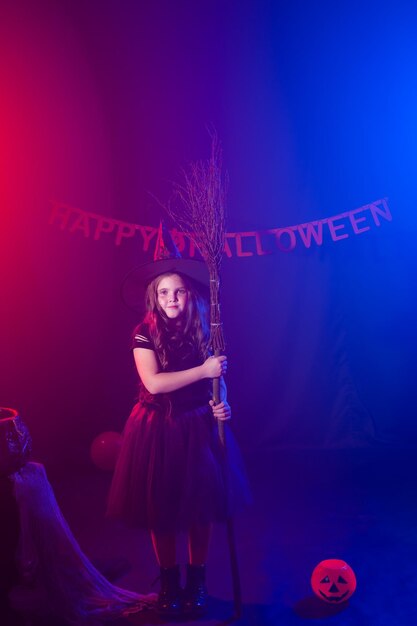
237 592
234 566
216 400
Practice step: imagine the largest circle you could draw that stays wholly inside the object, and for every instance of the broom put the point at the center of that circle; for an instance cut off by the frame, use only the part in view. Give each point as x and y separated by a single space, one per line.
198 208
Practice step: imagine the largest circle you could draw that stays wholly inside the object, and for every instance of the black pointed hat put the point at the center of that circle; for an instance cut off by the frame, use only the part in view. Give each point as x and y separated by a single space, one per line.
167 259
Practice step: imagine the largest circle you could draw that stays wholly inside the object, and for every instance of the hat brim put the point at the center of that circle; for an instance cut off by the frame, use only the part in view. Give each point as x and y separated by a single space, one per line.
135 283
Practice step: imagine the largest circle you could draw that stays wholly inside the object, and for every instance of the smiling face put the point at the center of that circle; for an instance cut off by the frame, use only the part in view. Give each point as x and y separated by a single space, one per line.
333 581
172 296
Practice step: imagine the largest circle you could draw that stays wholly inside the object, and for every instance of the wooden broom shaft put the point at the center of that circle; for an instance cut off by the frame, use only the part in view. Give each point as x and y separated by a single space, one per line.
234 566
216 399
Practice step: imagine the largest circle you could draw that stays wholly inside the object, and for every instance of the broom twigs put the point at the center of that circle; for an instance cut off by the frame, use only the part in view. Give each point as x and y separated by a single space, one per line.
198 208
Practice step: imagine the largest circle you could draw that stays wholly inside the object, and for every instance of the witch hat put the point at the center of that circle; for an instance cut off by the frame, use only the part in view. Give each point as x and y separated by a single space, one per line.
167 260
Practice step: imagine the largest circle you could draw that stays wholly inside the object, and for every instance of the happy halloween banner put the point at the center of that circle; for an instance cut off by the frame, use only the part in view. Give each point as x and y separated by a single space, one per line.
241 244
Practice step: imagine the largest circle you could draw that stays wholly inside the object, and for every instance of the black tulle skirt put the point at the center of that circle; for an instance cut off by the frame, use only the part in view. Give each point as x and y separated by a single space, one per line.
173 472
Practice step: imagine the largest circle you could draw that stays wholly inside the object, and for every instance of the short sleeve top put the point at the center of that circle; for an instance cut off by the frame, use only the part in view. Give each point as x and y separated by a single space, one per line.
183 357
142 338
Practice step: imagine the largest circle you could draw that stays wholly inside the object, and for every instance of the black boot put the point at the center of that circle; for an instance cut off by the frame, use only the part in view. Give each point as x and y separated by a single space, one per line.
195 593
169 598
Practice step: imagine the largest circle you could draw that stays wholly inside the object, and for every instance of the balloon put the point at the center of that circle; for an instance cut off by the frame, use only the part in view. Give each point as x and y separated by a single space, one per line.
333 581
105 449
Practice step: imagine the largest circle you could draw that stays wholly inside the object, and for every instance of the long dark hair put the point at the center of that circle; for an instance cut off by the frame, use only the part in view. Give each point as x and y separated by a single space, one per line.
191 328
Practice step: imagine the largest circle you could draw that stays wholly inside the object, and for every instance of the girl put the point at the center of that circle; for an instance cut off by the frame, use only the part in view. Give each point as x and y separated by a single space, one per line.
172 474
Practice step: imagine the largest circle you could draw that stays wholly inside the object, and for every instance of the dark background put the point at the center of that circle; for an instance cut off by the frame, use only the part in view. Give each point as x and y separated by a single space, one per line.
102 103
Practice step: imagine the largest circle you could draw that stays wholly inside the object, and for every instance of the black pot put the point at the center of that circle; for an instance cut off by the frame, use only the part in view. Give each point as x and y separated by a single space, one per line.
9 537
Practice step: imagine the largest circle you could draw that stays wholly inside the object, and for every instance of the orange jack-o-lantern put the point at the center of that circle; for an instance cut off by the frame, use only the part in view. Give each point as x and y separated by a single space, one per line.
333 581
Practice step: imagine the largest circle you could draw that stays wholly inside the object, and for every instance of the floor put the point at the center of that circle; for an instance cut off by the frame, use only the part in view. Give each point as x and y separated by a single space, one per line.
308 505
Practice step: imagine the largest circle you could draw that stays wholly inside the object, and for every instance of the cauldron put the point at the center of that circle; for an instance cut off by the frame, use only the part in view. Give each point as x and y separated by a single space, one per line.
15 447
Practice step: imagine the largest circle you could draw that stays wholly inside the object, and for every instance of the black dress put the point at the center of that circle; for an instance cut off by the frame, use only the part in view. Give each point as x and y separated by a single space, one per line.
172 471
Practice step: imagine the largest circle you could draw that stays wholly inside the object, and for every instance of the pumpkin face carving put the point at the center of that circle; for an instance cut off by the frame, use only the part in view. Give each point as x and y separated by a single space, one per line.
333 581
